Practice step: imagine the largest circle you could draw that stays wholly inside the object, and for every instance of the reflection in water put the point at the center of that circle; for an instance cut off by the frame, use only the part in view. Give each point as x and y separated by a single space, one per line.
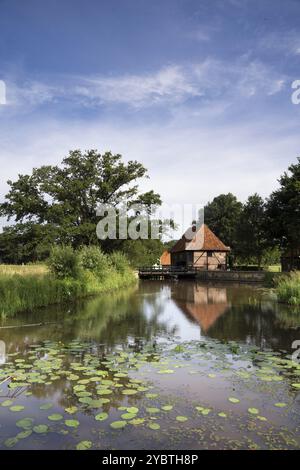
160 309
115 351
202 304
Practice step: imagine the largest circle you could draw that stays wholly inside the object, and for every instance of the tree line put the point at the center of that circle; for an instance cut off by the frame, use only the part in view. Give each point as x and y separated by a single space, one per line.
55 205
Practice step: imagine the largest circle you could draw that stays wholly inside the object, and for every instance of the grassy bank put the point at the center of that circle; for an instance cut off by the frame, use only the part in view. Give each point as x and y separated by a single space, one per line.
64 280
288 288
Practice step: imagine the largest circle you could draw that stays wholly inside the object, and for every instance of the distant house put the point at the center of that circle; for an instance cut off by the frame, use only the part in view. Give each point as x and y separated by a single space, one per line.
290 260
165 259
200 247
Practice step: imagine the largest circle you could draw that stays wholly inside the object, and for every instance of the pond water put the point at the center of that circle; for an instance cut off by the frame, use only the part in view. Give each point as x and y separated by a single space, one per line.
177 365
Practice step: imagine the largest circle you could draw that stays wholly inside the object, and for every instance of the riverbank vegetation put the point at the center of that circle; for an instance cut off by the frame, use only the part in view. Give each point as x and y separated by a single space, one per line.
69 275
288 288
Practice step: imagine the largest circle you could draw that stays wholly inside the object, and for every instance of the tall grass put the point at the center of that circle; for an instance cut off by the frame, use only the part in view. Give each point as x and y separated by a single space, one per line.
288 288
23 270
25 289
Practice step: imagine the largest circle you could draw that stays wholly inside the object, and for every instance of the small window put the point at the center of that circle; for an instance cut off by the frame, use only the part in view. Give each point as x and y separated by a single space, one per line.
209 254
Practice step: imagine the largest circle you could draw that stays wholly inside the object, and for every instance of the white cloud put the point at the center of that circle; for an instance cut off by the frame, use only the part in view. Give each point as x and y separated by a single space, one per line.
168 86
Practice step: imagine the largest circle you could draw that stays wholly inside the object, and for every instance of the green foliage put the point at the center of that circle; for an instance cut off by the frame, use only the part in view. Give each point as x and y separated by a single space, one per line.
143 252
283 214
20 293
288 288
251 233
94 260
222 215
64 262
58 203
119 261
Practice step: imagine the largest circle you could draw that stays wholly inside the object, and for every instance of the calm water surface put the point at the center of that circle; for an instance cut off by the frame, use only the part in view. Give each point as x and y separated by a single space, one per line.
163 365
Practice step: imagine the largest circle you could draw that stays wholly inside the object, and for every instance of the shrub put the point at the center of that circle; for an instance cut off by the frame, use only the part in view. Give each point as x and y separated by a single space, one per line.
64 262
94 260
288 288
119 261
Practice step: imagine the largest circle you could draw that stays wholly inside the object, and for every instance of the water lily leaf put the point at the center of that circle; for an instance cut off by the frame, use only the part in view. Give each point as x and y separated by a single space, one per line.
181 419
23 434
253 411
153 410
84 445
233 400
137 421
72 423
151 395
118 424
17 408
280 405
25 423
46 406
40 428
101 416
296 386
7 403
104 391
154 426
222 414
261 418
128 415
11 442
55 417
129 391
167 407
86 400
132 409
71 410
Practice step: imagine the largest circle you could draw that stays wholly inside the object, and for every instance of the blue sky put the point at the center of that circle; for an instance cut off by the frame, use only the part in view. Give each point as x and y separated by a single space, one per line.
198 90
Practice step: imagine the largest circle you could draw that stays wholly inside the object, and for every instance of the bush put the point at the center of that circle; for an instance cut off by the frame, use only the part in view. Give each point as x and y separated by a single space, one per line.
64 262
94 260
288 288
119 261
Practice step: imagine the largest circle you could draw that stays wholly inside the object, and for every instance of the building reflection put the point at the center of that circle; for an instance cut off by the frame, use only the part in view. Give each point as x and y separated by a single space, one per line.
201 304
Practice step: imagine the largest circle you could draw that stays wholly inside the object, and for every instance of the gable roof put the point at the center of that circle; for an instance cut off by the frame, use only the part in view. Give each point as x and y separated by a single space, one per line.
201 239
165 259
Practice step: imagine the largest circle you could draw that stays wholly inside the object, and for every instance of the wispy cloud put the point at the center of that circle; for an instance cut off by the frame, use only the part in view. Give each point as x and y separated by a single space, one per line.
287 42
170 85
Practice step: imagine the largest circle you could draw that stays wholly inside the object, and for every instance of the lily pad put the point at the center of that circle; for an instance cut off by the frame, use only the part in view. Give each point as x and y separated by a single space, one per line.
46 406
16 408
253 411
55 417
71 410
153 410
118 424
84 445
101 416
7 403
72 423
25 423
233 400
154 426
11 442
137 421
167 407
181 419
129 391
40 429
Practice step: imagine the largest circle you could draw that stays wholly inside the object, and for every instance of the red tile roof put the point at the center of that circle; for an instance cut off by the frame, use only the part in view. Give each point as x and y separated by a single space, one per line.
165 259
201 239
